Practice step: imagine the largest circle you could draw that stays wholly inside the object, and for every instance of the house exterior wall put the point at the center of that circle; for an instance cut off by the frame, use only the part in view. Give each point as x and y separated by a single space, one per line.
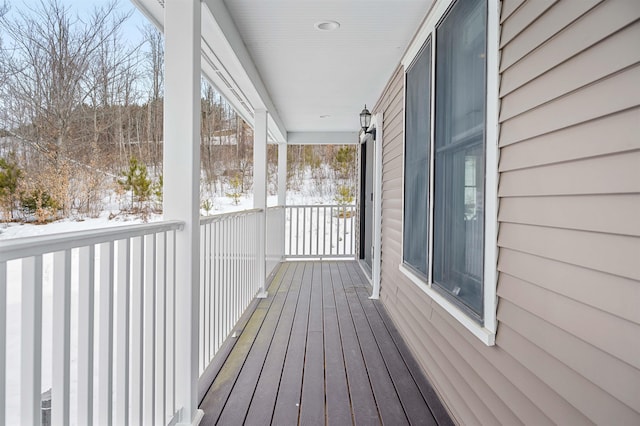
568 341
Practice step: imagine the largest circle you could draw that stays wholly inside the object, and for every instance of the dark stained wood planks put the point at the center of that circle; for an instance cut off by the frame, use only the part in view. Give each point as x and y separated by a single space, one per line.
338 401
318 351
216 398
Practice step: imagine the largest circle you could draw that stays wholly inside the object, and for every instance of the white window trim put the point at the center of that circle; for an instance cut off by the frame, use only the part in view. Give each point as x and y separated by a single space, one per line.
487 332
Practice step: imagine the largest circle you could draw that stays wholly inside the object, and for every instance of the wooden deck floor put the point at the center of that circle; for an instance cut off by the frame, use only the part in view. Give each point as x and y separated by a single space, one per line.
318 351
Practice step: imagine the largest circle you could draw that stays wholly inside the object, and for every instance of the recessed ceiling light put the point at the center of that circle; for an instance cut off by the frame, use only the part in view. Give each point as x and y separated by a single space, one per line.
327 25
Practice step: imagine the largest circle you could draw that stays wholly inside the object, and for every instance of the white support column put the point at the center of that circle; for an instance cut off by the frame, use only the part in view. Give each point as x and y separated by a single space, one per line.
260 192
182 30
282 174
377 209
282 191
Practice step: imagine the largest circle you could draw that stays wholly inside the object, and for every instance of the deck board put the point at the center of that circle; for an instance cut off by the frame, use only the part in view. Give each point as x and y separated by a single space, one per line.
338 402
362 400
318 351
266 391
237 405
312 406
387 399
289 393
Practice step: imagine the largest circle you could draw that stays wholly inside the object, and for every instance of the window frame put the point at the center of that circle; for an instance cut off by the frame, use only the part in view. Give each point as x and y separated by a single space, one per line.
427 33
428 50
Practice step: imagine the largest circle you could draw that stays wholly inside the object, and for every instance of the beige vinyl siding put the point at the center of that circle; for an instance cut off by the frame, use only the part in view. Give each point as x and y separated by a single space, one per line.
568 342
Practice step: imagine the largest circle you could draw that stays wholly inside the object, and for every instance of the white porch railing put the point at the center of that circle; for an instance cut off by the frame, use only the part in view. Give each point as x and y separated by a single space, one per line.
275 237
96 326
228 276
320 231
93 313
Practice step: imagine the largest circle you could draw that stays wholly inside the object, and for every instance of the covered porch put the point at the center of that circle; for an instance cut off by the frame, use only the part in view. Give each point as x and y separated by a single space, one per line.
193 316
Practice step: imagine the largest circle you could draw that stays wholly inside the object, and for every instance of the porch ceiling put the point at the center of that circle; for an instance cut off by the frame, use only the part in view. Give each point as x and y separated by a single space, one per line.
269 54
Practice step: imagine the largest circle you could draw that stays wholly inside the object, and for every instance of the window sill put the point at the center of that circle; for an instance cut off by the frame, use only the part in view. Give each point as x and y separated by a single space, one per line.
485 335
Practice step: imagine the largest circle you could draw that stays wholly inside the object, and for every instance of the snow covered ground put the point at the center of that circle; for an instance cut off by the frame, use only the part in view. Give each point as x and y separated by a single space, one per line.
17 230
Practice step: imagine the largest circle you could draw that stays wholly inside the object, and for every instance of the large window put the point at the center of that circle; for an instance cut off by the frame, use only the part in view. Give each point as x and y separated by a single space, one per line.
448 214
416 163
459 154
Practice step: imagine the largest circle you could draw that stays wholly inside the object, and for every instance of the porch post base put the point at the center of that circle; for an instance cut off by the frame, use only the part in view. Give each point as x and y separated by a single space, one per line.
262 294
196 420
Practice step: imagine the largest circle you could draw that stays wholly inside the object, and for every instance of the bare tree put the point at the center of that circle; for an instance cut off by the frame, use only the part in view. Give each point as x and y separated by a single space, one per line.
113 73
49 69
155 69
3 73
50 81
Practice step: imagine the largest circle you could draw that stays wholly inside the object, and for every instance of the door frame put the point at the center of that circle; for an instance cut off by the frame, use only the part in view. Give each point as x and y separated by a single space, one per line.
367 175
376 133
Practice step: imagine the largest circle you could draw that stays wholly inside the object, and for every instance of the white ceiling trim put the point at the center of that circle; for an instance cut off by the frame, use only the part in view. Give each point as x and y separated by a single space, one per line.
220 32
226 64
323 138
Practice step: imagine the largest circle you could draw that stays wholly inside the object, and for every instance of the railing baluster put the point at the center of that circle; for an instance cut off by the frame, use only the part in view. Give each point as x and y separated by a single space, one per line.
137 332
202 340
344 230
123 288
331 230
232 279
149 326
237 241
227 245
161 321
206 283
31 342
60 388
321 233
171 321
316 232
304 230
219 281
207 301
324 230
211 340
202 287
338 221
85 334
297 230
254 253
214 284
235 299
287 227
241 261
3 341
105 354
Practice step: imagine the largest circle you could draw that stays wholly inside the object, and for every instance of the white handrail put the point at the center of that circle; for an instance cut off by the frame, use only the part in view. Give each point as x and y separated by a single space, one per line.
33 246
225 216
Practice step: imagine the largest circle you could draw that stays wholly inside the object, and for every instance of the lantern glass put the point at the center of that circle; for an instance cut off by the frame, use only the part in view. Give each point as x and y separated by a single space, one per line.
365 119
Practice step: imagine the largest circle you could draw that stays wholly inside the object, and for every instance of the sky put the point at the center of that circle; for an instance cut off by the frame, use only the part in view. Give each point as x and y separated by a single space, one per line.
131 29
